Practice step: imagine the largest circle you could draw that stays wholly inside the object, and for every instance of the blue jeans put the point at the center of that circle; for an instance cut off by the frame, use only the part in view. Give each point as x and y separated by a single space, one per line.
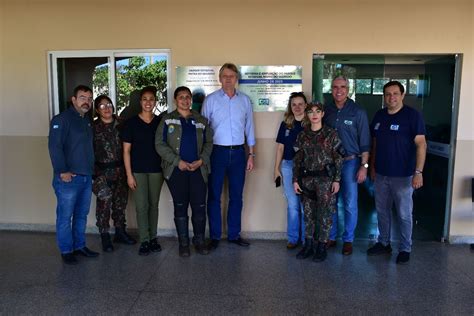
74 199
348 195
230 162
390 190
295 220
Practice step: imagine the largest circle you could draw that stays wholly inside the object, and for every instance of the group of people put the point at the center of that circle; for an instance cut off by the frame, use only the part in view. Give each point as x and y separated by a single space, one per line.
108 157
322 152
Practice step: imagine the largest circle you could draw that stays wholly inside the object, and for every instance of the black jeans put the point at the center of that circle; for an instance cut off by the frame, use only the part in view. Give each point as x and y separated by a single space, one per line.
188 187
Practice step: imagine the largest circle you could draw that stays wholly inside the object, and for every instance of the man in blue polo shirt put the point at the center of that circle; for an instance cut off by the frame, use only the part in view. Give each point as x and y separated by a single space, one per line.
72 156
230 116
398 153
352 126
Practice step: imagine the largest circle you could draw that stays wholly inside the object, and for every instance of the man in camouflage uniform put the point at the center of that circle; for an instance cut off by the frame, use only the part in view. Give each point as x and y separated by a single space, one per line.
316 174
110 181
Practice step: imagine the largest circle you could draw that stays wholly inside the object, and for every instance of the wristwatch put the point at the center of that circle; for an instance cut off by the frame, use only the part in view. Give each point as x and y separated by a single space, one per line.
252 154
365 165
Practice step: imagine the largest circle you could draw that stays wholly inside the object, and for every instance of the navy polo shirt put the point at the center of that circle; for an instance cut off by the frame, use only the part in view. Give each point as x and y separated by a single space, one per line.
70 143
352 126
287 137
395 149
143 156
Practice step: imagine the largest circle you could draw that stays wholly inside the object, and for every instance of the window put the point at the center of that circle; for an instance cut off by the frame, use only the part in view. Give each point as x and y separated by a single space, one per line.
377 86
363 86
119 74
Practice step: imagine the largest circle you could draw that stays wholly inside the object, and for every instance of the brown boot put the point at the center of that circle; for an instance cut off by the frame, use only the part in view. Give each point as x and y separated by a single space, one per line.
347 249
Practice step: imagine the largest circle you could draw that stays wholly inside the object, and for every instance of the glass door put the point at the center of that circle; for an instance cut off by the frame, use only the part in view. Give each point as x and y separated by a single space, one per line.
432 87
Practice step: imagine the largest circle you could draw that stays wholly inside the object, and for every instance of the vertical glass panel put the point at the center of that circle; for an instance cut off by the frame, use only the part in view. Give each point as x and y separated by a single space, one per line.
412 86
363 86
76 71
100 80
378 84
136 72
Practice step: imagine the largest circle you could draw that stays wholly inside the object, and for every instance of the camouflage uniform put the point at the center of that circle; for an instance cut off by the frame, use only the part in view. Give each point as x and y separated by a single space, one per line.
110 181
320 155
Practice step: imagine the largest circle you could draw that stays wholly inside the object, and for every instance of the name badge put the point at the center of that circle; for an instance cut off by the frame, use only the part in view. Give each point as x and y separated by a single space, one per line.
347 122
376 127
287 133
394 127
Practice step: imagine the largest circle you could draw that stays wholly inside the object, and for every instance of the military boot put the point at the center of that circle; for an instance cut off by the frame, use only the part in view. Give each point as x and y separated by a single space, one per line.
106 242
183 235
320 252
199 228
307 250
122 237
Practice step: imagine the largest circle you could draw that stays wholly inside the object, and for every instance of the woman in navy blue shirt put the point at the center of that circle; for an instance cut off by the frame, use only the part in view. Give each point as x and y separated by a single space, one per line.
289 129
184 141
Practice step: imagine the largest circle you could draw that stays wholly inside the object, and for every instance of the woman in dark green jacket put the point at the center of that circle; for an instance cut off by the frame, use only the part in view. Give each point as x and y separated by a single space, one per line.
184 142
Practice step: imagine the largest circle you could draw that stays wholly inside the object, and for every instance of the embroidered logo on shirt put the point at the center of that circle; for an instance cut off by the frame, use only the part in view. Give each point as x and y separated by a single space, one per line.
394 127
347 122
173 121
199 125
170 129
376 127
55 126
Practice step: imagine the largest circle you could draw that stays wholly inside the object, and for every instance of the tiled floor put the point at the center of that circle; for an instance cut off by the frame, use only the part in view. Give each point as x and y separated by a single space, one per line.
264 279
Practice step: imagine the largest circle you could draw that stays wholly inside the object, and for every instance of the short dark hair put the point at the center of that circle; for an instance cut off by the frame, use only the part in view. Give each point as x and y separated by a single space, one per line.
81 87
99 99
148 89
394 83
180 89
314 104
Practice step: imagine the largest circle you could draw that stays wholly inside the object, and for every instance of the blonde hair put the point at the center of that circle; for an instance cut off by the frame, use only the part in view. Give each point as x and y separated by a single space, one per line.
289 117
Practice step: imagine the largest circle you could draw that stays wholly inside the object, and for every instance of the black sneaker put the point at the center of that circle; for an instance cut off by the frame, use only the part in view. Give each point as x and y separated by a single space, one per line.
144 249
154 245
403 257
69 258
379 249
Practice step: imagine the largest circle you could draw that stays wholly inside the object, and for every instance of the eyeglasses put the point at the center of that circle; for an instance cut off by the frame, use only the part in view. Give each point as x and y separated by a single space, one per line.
104 106
85 99
318 111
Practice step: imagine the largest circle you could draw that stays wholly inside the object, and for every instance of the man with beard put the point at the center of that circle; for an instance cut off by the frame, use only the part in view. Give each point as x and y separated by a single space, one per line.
72 156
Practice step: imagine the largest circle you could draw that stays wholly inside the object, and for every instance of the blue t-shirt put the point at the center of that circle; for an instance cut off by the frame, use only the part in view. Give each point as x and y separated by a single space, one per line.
287 137
395 151
143 156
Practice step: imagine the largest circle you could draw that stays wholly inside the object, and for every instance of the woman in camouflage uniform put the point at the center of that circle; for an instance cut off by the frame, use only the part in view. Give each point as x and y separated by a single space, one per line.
110 181
316 175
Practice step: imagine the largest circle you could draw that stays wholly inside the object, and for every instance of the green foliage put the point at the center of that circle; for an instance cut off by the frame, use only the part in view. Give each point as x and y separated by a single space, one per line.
133 76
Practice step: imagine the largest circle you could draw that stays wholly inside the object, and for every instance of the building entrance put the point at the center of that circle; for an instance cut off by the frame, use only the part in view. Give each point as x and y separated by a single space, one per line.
432 84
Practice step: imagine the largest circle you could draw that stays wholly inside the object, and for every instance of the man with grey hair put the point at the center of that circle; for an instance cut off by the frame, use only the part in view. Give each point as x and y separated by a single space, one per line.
230 116
352 126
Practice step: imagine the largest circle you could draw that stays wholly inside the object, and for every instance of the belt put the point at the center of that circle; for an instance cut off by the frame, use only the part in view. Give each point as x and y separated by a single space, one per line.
351 157
109 165
231 147
315 173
